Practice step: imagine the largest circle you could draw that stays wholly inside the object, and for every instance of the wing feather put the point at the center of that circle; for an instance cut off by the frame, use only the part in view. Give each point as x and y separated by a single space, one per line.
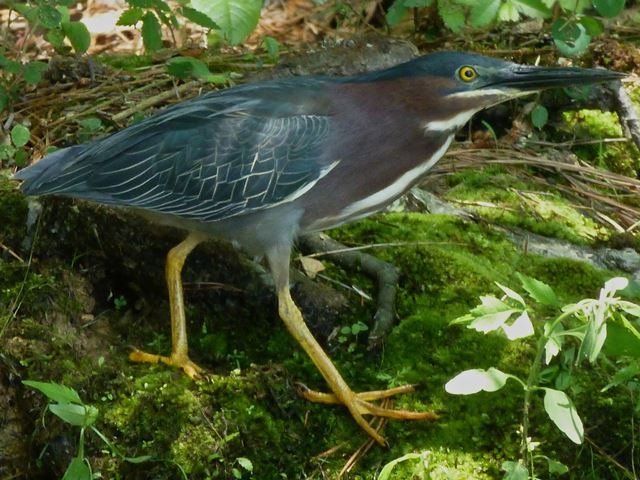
220 155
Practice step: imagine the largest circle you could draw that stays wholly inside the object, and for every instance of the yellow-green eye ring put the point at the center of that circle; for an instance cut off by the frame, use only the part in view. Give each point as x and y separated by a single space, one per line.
467 74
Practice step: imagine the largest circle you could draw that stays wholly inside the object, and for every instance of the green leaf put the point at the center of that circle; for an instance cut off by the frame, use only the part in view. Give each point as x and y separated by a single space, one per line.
140 459
64 12
452 14
514 471
236 18
198 17
570 37
520 328
27 11
151 33
556 467
20 157
594 338
539 116
10 66
20 135
563 380
417 3
4 99
396 13
554 343
186 67
245 463
539 291
90 123
385 473
593 26
78 470
574 6
623 375
73 414
621 342
609 8
56 38
162 5
490 304
533 8
511 294
33 72
78 35
491 321
55 391
7 152
630 308
483 12
272 46
508 12
131 16
141 3
561 411
476 380
49 17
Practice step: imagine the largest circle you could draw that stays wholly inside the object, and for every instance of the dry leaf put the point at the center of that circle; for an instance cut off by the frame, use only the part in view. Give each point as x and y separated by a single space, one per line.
311 266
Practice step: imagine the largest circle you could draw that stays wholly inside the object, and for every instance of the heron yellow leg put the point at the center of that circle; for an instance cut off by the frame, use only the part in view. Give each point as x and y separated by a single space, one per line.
359 404
179 345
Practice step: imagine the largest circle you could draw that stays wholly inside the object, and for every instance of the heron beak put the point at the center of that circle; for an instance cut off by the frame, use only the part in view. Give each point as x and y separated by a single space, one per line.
525 78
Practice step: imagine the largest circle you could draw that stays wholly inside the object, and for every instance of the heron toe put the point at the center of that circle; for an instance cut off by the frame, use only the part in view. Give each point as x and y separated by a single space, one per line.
191 369
359 404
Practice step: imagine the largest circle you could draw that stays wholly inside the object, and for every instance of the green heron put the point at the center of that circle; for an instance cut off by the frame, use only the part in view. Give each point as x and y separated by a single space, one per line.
259 164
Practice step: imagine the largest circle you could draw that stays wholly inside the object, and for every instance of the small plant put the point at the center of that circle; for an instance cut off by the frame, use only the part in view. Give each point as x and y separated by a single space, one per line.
152 14
13 152
67 405
385 473
572 30
120 302
576 335
52 20
349 335
228 20
243 465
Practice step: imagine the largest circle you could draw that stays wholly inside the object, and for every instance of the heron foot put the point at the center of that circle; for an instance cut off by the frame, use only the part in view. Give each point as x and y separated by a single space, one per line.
191 369
360 404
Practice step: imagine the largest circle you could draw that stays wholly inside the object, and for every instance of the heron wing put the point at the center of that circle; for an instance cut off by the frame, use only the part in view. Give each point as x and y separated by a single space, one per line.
216 156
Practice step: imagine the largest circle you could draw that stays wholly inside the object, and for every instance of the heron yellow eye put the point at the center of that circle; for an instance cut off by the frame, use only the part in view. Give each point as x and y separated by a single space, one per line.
467 74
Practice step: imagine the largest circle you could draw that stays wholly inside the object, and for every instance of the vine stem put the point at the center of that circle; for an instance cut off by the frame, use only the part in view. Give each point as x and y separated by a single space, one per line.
532 381
531 385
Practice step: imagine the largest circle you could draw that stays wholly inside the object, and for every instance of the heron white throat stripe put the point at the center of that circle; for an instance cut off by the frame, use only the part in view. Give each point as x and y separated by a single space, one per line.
393 191
449 124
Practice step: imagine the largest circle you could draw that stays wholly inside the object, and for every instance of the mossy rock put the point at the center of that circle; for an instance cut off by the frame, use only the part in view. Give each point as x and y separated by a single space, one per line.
71 331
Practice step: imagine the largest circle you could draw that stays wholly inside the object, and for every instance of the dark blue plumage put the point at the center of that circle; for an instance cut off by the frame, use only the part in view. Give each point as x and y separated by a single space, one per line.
213 157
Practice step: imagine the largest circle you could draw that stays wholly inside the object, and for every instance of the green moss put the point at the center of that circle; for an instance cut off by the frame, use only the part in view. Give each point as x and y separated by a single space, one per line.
125 62
440 464
571 279
500 197
13 213
247 406
438 283
622 158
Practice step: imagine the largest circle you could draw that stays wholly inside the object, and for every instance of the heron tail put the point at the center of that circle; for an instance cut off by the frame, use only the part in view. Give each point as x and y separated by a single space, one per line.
41 177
